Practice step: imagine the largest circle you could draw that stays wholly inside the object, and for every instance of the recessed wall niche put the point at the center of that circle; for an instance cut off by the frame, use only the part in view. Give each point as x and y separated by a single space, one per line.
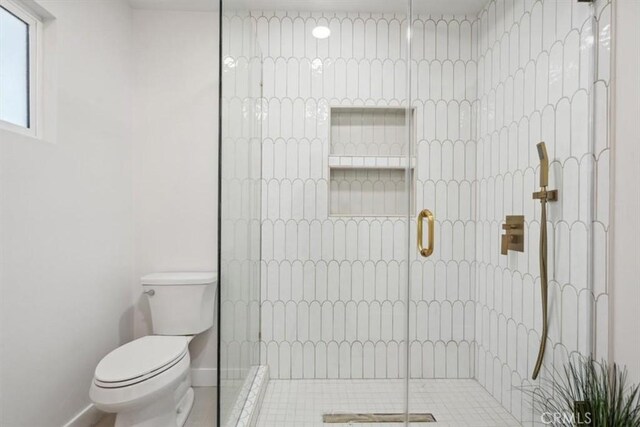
368 159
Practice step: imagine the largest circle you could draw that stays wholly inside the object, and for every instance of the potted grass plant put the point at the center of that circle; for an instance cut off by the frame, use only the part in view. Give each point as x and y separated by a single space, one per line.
588 393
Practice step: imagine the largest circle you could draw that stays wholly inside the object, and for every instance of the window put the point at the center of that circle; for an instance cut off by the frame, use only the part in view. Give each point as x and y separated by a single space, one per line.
19 80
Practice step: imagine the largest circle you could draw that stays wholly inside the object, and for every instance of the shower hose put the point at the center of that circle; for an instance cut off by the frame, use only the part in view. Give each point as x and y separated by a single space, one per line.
543 286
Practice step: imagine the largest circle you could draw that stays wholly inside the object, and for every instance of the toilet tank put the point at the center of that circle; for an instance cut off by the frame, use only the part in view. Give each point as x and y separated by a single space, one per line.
182 303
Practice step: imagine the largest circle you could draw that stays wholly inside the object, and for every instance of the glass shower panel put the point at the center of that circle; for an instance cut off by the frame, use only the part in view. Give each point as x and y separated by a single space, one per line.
336 172
240 210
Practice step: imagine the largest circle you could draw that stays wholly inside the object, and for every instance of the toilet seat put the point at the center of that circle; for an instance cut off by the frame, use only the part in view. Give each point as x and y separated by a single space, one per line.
164 385
140 360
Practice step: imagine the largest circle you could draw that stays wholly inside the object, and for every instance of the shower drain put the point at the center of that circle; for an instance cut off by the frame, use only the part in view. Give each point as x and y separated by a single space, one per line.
377 418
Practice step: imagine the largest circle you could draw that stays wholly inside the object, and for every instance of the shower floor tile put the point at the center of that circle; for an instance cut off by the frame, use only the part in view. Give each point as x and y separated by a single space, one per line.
452 402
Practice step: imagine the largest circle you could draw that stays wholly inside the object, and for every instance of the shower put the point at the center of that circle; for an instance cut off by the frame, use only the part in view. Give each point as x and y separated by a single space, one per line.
544 196
338 145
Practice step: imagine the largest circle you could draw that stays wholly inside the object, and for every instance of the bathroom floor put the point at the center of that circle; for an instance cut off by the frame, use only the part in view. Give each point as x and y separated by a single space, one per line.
203 413
452 402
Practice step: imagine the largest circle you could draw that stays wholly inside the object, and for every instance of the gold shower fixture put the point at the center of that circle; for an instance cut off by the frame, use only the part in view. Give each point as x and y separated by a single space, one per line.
544 196
513 237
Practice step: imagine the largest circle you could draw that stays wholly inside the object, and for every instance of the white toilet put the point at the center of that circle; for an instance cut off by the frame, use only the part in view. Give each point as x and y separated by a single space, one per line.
147 382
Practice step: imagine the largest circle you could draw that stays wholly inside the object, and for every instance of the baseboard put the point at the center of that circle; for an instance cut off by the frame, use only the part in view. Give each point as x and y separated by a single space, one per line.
85 418
204 377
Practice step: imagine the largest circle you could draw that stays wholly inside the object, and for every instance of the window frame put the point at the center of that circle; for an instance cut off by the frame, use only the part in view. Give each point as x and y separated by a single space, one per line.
35 55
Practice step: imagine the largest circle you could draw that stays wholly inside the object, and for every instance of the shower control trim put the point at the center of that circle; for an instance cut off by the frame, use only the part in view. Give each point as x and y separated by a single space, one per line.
513 238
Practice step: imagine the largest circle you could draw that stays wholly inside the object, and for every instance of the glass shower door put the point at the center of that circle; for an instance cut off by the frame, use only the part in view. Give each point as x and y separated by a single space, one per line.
489 82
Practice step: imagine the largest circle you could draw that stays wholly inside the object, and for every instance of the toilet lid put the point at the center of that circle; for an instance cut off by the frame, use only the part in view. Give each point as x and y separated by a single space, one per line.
140 357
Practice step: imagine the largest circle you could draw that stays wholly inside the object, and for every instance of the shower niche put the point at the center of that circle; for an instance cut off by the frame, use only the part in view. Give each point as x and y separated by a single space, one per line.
369 159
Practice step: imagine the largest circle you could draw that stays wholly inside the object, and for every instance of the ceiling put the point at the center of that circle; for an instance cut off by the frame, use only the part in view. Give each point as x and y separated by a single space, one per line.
433 7
449 7
186 5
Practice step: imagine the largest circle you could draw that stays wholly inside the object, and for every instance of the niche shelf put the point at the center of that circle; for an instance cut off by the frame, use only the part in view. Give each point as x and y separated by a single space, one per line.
370 162
368 159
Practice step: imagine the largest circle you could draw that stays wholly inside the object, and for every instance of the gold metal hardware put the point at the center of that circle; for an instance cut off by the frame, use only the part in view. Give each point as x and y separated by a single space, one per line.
513 239
544 164
544 196
426 213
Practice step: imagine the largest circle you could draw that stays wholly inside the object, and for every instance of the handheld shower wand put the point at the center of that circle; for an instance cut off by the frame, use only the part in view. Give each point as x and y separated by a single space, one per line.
544 164
544 196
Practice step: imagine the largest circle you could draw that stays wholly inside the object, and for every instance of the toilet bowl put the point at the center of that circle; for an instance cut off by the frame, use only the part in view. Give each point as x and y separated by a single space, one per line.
147 382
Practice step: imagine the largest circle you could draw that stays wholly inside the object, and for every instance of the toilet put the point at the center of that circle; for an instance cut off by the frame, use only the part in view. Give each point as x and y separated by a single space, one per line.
147 382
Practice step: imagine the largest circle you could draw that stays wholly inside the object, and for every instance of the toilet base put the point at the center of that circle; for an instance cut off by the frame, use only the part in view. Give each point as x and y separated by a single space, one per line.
184 408
170 410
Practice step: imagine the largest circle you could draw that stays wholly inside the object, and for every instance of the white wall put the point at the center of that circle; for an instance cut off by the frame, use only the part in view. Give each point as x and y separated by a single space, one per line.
175 153
625 322
66 223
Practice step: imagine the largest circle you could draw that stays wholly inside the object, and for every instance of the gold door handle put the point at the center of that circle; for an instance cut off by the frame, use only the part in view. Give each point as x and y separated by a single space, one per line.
425 213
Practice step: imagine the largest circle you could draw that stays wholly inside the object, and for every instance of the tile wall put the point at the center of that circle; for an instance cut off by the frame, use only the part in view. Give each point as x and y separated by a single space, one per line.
442 287
536 83
334 288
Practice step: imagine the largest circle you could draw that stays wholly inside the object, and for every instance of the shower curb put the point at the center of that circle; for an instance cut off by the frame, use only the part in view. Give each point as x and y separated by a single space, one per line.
251 409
